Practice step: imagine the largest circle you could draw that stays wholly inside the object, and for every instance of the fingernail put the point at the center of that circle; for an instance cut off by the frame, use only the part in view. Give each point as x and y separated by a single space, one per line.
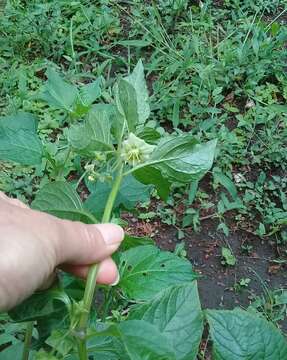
116 281
112 234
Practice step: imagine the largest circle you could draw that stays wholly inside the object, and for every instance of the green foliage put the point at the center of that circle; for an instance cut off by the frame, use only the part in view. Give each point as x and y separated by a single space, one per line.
177 314
238 334
61 200
143 268
19 141
215 72
228 257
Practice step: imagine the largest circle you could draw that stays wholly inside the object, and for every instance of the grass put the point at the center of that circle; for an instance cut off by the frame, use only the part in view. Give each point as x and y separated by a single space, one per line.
215 69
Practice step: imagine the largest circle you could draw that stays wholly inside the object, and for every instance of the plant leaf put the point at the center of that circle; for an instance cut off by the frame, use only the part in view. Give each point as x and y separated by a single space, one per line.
19 141
134 241
144 342
146 270
90 92
182 158
176 312
61 200
151 175
240 335
126 101
130 193
39 305
19 121
94 134
132 98
140 340
226 182
137 80
12 352
58 93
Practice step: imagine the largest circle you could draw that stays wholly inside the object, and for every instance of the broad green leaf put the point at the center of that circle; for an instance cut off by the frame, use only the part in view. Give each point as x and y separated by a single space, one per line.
61 200
58 93
12 352
94 134
141 341
151 175
137 80
182 158
240 335
105 344
146 270
19 121
90 92
39 305
19 141
130 193
144 341
176 312
132 98
134 241
126 100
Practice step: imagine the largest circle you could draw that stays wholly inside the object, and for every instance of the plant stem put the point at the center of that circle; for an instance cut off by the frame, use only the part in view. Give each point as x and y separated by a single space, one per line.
27 342
112 196
92 275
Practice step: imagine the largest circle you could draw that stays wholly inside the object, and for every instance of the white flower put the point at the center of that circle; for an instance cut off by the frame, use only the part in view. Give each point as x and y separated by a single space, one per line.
135 150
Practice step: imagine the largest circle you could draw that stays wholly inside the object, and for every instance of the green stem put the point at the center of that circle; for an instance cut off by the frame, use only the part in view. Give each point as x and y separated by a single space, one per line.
92 275
112 196
27 341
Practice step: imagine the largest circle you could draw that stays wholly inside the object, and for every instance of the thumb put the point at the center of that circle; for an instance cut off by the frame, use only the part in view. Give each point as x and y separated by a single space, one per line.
81 244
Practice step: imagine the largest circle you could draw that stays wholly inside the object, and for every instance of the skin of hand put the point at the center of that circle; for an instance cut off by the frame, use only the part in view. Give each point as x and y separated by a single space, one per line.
33 244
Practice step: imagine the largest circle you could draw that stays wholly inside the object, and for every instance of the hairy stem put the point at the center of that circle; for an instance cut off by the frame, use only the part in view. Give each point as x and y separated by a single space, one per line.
27 341
92 275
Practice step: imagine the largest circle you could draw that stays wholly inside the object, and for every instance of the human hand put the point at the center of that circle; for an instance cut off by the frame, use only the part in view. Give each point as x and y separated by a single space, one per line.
33 244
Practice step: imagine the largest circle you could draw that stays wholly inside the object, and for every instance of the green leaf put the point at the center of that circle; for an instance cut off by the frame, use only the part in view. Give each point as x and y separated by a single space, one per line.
134 241
144 342
58 93
94 134
61 341
141 341
12 352
132 98
226 182
130 193
228 256
39 305
176 312
61 200
182 158
19 121
149 135
19 141
239 335
126 100
146 270
137 80
91 92
134 42
151 175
